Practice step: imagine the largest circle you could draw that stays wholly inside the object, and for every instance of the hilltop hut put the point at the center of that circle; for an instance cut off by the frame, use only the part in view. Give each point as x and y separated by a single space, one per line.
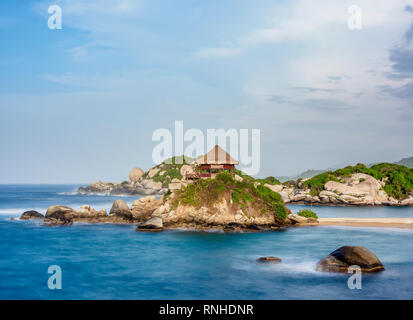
211 164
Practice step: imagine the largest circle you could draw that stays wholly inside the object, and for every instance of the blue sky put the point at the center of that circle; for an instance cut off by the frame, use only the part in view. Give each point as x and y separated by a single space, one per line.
81 103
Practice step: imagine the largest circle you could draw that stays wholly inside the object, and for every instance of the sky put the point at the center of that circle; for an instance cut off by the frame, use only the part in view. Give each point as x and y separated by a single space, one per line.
80 104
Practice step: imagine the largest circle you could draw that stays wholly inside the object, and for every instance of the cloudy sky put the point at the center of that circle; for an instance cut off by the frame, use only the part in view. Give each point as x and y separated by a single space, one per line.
81 103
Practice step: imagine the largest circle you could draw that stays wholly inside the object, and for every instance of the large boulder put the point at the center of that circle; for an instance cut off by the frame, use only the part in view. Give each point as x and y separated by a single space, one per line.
342 258
31 215
59 215
152 172
135 174
143 208
151 185
355 189
153 224
121 210
269 260
87 211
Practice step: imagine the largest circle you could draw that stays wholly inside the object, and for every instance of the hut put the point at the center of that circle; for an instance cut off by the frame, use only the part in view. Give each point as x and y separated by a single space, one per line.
211 164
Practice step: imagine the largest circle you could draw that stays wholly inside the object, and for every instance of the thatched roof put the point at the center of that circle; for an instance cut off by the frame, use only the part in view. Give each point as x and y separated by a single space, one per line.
216 156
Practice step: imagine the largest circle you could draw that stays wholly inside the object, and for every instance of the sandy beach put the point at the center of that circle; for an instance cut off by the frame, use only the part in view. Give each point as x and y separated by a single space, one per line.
405 223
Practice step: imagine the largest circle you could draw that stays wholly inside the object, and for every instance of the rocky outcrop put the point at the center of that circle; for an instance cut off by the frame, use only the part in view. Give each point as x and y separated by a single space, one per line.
342 258
31 215
269 260
143 208
59 215
297 219
141 187
136 174
121 210
359 189
153 224
87 211
222 214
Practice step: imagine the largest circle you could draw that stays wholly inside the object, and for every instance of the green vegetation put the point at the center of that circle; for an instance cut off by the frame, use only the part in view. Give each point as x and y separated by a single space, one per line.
398 178
307 213
169 170
316 184
269 180
204 192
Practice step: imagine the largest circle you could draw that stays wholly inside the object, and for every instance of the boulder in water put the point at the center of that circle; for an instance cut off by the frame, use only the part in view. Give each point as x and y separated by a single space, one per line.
342 258
153 224
59 215
31 215
269 260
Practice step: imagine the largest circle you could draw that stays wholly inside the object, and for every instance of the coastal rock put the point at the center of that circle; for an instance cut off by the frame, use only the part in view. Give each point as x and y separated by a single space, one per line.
60 212
31 215
357 189
143 208
152 185
269 260
135 174
59 215
87 211
222 214
152 172
121 210
153 224
140 187
342 258
295 218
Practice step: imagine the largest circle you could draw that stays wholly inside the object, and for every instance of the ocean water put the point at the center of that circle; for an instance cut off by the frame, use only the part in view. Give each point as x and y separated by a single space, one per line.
116 262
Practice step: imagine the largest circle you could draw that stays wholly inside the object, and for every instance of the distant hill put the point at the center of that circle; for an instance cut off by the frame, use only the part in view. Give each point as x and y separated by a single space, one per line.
408 162
308 174
303 175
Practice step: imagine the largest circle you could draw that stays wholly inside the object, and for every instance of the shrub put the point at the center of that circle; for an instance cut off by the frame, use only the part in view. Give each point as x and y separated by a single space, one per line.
307 213
316 184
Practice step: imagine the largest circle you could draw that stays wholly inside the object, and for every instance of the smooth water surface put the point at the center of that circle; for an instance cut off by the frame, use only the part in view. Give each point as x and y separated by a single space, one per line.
116 262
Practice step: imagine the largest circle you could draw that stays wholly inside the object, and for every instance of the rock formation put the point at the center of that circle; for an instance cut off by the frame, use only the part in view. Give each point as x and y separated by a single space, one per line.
121 210
59 215
153 224
31 215
358 189
136 174
269 260
342 258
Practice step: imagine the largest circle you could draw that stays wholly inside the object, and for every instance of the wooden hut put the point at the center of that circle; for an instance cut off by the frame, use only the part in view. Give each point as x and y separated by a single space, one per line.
211 164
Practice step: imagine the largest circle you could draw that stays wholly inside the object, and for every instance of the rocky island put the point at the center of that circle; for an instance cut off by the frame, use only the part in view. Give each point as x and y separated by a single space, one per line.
210 193
222 203
382 184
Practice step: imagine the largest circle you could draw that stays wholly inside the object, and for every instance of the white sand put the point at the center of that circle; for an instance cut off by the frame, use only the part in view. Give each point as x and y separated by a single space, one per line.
406 223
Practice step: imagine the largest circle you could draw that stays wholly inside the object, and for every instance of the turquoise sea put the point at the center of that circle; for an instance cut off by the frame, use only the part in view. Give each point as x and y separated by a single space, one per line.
116 262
